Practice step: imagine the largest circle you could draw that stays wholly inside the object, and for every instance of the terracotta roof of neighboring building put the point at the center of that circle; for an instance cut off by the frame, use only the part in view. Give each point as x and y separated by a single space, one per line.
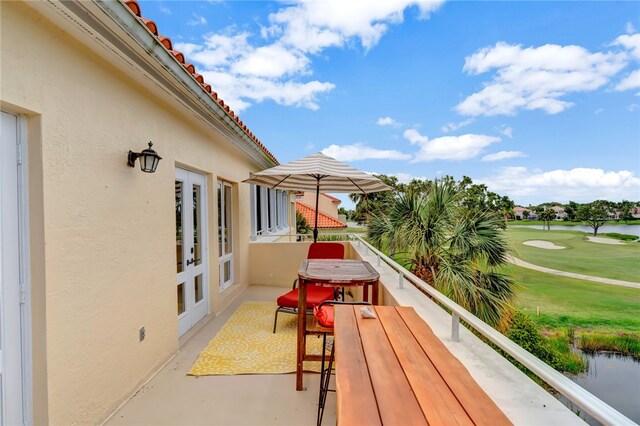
166 42
324 221
333 199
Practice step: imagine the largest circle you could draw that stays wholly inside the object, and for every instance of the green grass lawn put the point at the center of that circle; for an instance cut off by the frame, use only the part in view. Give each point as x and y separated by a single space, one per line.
566 302
620 262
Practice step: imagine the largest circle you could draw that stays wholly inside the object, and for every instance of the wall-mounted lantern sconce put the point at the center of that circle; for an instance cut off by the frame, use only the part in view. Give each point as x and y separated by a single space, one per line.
149 159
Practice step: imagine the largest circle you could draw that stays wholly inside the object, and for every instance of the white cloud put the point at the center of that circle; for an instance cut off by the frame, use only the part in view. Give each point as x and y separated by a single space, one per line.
197 20
631 42
629 28
455 126
237 90
242 74
463 147
406 177
165 10
599 111
503 155
536 77
387 121
358 151
217 50
632 107
271 61
312 26
630 82
278 67
578 184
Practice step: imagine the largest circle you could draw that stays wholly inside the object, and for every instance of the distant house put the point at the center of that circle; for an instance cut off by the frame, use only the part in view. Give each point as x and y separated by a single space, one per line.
635 212
519 213
328 217
560 213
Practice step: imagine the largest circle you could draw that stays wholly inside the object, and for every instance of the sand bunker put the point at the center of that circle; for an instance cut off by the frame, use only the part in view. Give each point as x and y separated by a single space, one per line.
543 244
601 240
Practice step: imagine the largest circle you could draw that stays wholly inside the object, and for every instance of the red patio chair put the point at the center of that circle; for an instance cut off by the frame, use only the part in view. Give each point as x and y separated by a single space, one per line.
288 302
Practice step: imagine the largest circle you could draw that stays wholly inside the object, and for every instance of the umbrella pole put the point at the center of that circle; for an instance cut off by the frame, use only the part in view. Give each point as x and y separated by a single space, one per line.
315 228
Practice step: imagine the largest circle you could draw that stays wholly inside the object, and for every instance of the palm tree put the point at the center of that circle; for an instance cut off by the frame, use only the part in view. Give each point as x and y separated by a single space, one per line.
457 251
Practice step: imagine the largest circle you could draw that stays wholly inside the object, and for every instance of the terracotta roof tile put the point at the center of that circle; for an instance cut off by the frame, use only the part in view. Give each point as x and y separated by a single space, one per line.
134 6
324 221
166 42
189 67
151 25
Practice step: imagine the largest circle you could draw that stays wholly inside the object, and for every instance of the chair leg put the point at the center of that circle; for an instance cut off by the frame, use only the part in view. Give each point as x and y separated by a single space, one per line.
321 392
325 378
275 322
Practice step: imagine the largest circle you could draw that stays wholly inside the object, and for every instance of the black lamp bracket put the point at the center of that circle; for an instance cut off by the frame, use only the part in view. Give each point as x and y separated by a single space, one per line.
131 159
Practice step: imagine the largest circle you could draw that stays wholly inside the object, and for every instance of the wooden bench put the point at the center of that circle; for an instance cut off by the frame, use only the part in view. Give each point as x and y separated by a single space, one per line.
394 371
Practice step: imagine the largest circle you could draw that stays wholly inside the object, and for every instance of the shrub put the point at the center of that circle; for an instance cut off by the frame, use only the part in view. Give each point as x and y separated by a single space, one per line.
523 331
302 227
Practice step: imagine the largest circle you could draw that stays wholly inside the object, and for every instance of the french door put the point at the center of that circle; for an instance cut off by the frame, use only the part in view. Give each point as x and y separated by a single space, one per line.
13 373
225 234
192 259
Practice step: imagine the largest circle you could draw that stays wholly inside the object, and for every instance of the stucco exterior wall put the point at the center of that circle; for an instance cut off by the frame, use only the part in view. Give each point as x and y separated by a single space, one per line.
103 234
325 205
277 264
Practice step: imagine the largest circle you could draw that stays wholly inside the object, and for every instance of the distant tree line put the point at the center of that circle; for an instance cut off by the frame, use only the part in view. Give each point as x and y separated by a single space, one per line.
593 214
470 197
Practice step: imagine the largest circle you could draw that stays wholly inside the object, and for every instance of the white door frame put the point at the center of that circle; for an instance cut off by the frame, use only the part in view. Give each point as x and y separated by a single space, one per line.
16 162
223 256
194 311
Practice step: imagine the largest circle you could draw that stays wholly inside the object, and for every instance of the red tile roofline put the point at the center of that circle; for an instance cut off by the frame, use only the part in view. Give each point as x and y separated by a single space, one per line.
166 42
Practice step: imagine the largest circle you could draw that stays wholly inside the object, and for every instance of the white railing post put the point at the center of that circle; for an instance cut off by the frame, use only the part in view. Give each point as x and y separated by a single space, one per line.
455 327
378 260
400 280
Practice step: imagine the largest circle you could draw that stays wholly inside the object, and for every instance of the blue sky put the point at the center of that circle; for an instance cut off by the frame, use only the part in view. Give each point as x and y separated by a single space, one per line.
539 100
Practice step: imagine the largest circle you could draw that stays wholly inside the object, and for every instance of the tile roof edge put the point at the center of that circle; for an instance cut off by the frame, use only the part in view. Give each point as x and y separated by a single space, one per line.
134 8
342 224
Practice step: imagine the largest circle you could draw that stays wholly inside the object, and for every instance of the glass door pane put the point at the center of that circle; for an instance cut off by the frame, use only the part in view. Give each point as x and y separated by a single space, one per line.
179 226
228 243
220 219
197 251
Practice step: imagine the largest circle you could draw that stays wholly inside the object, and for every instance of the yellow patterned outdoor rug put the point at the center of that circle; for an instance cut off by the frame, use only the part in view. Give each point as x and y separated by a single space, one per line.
246 344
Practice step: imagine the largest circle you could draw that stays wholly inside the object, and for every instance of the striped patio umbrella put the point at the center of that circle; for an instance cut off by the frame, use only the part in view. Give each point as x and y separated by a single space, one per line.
319 173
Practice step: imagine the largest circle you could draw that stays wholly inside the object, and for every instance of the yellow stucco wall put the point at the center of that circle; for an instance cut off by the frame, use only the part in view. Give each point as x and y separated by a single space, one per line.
103 234
277 264
325 204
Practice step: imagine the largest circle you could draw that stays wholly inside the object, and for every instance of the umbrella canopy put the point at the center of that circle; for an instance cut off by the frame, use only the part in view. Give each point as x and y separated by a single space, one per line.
319 173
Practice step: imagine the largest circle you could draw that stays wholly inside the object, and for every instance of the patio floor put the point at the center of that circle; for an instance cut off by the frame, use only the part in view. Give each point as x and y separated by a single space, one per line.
172 397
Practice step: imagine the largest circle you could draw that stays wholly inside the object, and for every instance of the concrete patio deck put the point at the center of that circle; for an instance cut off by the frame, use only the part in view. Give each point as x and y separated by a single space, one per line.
173 398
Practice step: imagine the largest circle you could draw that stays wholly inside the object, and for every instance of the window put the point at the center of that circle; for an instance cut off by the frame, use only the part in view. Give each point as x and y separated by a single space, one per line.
268 211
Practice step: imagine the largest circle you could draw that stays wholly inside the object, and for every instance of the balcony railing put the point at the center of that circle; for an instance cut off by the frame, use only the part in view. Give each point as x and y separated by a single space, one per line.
586 401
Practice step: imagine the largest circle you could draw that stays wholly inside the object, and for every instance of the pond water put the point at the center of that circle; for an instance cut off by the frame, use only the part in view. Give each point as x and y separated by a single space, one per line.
620 229
613 378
